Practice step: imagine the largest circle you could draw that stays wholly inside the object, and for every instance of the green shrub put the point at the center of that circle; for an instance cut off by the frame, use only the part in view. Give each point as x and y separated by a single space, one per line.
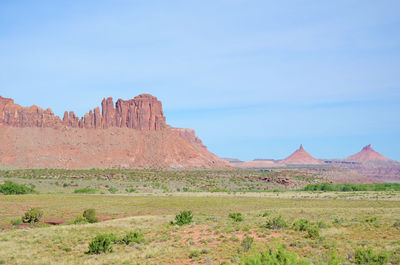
101 244
338 221
17 221
265 214
113 190
130 190
32 216
280 256
246 244
11 188
133 237
276 223
353 187
237 217
397 224
313 232
66 249
90 215
194 254
322 224
80 220
366 256
86 191
184 217
333 258
370 220
301 225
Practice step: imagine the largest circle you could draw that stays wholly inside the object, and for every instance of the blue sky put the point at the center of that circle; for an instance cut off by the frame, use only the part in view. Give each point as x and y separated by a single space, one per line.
253 78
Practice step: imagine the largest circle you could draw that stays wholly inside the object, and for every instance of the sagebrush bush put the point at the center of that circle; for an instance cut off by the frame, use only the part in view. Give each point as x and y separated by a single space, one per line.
265 214
397 224
184 217
11 188
32 216
276 223
90 215
102 243
366 256
313 232
80 220
279 256
113 190
132 237
370 220
246 244
301 225
333 258
237 217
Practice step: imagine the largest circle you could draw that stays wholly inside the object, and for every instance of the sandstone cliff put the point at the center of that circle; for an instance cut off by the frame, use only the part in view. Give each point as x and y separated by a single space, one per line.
130 133
144 112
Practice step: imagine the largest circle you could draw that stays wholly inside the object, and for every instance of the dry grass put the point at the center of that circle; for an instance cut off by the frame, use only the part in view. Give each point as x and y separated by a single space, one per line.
213 235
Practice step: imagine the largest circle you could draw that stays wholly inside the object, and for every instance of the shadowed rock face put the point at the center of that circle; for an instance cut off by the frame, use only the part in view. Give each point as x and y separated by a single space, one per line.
143 112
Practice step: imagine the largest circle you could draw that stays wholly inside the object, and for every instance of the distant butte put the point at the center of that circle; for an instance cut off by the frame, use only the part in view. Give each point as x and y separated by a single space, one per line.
301 157
367 154
130 133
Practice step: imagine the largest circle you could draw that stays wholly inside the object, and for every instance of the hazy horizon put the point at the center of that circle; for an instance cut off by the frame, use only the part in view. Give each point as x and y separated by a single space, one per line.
254 79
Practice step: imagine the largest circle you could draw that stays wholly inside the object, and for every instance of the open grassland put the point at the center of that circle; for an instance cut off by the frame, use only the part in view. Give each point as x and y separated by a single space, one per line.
158 180
211 238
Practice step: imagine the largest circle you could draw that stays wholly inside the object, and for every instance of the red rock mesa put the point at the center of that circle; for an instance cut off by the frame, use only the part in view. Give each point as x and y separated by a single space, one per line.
130 133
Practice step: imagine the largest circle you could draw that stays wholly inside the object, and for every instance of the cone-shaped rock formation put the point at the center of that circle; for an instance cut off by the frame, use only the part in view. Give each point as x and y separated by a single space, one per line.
367 154
301 157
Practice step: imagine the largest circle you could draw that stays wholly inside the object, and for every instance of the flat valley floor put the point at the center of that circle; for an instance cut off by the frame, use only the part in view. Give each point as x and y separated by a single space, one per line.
347 221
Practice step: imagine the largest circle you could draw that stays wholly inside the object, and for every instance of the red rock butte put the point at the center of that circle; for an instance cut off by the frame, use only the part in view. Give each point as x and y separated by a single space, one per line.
301 157
130 133
144 112
367 154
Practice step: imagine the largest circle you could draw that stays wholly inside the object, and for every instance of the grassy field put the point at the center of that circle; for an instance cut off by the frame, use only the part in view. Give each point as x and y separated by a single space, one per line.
365 220
159 180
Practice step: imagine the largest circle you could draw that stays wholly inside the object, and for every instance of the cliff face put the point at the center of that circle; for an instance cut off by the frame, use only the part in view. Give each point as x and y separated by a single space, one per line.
131 133
144 112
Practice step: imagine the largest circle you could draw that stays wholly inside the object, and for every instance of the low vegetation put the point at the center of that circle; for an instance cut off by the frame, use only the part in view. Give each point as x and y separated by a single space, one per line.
353 187
102 243
183 218
237 217
276 223
32 216
86 191
133 237
12 188
233 227
367 256
279 256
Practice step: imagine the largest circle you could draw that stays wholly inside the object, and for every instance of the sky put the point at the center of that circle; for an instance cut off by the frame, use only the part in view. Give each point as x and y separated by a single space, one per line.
255 79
